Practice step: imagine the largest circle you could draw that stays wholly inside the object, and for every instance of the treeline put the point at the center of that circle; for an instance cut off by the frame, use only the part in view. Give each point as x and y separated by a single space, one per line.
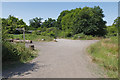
87 21
113 30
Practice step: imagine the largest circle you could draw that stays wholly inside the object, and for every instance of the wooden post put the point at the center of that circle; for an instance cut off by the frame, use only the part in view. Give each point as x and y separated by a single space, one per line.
24 35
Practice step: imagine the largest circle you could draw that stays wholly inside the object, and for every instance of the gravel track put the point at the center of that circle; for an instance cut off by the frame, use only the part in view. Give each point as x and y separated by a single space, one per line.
62 59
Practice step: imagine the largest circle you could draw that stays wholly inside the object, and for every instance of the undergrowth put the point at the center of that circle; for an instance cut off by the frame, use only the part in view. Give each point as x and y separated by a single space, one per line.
105 53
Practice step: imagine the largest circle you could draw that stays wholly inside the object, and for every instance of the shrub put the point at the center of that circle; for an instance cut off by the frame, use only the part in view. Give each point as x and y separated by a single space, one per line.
16 52
51 34
51 29
83 36
89 37
43 33
65 34
68 34
36 32
111 31
61 34
78 36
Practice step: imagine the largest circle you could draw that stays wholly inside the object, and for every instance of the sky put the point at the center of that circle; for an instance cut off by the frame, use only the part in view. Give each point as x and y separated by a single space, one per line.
29 10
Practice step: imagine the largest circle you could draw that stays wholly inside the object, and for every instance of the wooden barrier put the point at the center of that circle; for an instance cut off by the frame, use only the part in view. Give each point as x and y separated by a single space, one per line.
22 41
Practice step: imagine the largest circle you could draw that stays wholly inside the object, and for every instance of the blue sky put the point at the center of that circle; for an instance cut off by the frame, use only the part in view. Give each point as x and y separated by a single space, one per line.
29 10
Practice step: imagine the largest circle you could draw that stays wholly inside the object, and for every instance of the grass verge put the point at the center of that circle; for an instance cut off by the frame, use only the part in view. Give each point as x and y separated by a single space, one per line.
33 37
105 53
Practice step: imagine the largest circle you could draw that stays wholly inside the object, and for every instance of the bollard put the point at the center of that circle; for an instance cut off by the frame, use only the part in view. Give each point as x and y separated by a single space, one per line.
30 41
43 39
31 47
55 40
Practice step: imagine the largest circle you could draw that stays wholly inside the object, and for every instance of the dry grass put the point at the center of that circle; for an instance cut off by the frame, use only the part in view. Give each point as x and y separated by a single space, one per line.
105 53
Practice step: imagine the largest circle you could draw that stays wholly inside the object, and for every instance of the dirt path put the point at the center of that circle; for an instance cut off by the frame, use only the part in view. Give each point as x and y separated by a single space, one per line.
62 59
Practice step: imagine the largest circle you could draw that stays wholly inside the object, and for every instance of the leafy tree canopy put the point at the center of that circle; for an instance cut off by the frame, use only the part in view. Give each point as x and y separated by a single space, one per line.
62 14
113 30
35 22
83 20
49 23
11 23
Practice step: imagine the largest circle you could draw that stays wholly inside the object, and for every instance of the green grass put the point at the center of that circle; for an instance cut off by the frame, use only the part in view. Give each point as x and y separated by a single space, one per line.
85 37
16 52
33 37
80 36
105 53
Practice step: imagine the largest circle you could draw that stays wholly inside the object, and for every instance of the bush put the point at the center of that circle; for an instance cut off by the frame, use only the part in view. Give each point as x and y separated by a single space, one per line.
51 29
78 36
51 34
16 52
89 37
112 31
65 34
83 36
43 33
61 34
68 34
36 32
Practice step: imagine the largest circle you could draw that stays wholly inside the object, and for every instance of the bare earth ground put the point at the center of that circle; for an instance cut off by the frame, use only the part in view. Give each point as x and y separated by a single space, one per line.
62 59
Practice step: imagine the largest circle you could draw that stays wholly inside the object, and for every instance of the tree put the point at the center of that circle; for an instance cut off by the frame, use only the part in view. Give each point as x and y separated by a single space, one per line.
62 14
86 20
35 22
117 22
49 23
114 28
11 23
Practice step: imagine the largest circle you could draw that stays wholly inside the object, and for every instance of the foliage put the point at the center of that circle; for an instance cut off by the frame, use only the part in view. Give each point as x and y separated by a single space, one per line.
112 31
10 24
105 52
83 37
35 22
79 36
51 32
49 23
86 20
16 52
42 29
117 22
114 28
36 32
65 34
62 14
